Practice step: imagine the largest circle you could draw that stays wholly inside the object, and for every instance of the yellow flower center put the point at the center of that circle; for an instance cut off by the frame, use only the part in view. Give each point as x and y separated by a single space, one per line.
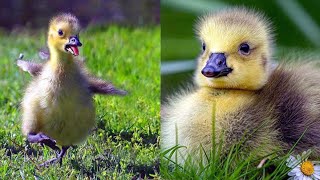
307 168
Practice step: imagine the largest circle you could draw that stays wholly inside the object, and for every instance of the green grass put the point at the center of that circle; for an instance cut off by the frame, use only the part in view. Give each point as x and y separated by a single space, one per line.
125 141
233 165
238 162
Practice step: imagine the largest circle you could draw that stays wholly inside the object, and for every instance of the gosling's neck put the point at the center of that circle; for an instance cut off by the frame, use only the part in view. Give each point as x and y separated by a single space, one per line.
224 91
60 59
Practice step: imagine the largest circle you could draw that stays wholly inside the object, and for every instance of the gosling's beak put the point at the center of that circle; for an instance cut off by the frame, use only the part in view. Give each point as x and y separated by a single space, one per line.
216 66
72 45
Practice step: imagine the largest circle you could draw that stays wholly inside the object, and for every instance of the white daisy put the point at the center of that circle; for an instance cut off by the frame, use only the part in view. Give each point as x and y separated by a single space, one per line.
302 169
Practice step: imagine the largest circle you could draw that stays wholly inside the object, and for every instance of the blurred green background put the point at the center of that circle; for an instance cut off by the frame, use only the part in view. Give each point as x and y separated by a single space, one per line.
296 25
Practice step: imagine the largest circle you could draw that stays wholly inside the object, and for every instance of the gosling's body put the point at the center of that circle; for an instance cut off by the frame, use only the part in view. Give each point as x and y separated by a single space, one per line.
272 107
57 108
59 104
276 116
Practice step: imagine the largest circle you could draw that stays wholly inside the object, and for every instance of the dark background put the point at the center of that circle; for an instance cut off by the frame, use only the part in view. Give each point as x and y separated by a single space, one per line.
33 14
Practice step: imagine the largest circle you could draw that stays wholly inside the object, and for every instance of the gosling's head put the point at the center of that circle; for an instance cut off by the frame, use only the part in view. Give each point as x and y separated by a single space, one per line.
236 50
63 34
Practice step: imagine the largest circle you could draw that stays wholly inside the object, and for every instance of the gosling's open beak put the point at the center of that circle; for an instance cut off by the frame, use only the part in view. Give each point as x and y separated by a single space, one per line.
72 45
216 66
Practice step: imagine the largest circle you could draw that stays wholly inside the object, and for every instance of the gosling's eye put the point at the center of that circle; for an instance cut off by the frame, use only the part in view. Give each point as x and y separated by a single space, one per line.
60 32
244 49
203 46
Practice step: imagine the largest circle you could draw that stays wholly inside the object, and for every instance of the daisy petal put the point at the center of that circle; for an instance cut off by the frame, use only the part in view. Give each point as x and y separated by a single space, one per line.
291 158
296 169
307 178
297 178
316 176
299 158
291 161
317 171
298 173
292 173
304 153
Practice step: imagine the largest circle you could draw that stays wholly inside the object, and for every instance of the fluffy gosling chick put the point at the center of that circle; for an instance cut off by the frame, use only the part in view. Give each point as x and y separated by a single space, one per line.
57 107
271 107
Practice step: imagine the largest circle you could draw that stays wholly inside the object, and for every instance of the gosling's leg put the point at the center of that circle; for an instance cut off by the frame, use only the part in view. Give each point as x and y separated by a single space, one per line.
43 140
58 158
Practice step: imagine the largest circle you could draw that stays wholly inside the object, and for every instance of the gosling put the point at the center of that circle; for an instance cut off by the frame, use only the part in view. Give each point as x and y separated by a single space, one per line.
57 108
272 106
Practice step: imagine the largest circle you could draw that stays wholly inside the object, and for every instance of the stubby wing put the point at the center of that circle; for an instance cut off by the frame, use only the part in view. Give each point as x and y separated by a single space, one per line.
44 54
32 68
99 86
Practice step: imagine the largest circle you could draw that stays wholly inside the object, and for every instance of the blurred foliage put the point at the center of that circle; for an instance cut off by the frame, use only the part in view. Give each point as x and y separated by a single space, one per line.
36 13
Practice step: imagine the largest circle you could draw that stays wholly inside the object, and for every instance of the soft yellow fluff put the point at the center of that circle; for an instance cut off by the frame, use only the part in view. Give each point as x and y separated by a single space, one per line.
58 102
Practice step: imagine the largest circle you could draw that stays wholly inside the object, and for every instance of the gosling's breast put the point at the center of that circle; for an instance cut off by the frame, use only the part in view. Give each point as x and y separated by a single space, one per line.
66 105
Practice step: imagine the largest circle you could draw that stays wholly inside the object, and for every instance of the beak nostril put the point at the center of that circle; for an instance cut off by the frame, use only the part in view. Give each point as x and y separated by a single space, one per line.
216 66
208 72
73 40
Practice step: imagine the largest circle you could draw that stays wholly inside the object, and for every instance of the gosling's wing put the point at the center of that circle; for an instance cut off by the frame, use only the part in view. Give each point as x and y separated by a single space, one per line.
99 86
44 54
32 68
35 68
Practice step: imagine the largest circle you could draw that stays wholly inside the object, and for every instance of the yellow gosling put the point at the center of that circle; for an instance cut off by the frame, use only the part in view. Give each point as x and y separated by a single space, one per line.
271 106
57 108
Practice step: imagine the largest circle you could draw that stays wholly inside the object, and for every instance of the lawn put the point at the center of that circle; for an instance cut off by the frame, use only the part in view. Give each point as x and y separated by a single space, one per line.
125 142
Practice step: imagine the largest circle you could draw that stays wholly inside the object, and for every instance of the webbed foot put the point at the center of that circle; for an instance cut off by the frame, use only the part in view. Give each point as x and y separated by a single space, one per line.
43 140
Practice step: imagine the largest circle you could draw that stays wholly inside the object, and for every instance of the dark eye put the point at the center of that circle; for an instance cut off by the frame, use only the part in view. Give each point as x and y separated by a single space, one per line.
60 32
244 49
203 46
